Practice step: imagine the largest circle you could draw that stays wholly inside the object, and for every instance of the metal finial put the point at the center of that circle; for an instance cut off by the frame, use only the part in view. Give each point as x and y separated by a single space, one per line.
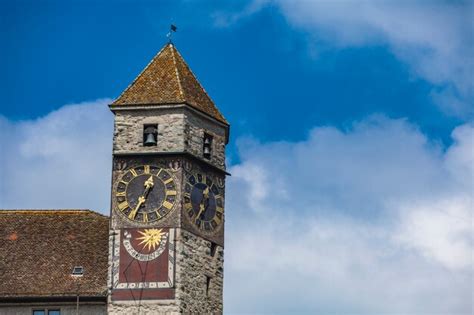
173 29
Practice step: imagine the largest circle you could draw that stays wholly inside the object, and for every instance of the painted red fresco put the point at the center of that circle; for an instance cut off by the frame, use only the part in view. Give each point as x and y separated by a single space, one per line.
132 270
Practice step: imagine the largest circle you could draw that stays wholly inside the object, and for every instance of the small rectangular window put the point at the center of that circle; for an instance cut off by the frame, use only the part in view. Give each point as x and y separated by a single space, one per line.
150 135
208 284
78 271
207 146
212 252
47 311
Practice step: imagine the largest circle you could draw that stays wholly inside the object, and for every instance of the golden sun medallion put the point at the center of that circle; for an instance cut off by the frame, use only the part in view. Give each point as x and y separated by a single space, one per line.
151 238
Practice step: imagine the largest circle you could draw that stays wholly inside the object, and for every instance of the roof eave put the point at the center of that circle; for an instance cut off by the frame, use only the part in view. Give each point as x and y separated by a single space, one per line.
70 297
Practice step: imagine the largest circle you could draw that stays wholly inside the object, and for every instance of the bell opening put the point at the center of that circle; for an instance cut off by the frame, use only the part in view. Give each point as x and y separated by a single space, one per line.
207 146
150 135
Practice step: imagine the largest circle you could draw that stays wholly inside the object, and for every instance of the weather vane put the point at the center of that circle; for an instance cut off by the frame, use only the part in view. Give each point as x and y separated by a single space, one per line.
173 29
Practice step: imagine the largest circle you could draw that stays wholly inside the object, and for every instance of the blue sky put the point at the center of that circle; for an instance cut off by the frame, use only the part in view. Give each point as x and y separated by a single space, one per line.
352 134
260 71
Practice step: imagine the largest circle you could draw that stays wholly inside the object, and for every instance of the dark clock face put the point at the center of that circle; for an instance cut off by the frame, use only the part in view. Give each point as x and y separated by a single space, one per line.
203 203
145 193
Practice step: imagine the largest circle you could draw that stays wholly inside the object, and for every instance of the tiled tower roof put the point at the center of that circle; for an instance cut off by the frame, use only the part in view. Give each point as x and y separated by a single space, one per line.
167 79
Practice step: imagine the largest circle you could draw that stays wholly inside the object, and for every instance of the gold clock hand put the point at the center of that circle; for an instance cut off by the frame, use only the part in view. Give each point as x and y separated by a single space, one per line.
141 200
205 197
133 214
148 186
149 183
201 209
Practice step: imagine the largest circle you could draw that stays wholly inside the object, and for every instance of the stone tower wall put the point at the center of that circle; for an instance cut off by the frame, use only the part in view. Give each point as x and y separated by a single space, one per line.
128 130
194 265
179 130
144 307
196 126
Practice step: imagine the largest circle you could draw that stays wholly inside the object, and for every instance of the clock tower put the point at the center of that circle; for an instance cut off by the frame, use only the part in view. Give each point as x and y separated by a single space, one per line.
166 248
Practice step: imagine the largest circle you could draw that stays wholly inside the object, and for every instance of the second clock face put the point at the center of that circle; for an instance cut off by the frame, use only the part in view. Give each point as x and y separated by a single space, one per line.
203 203
145 193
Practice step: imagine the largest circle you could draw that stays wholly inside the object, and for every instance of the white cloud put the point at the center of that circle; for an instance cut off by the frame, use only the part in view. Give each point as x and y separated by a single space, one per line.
62 160
373 219
440 230
225 19
434 37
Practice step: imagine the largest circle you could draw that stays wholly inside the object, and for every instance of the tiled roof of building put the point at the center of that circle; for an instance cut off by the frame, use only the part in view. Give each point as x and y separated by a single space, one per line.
167 79
40 248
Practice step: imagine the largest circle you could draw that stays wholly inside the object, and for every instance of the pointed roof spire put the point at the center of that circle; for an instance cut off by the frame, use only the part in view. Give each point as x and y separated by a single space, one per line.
167 79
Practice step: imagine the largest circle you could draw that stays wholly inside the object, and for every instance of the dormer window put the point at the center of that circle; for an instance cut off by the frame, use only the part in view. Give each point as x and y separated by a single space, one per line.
150 135
207 146
78 271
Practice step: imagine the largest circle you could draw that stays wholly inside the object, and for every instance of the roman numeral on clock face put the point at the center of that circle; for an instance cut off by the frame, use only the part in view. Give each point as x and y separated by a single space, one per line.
123 205
168 205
